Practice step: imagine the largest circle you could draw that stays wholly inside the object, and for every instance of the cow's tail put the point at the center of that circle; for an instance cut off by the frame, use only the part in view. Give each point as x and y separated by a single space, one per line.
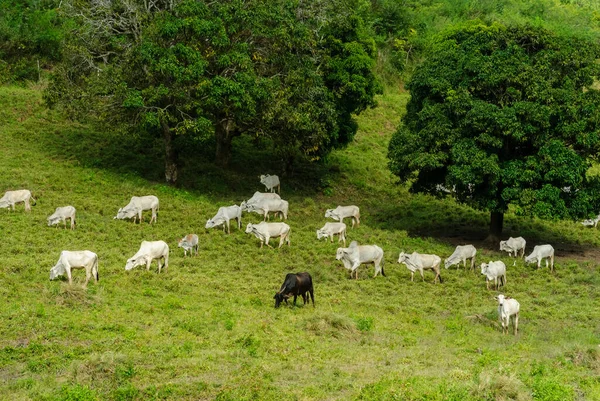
33 200
382 265
287 237
440 277
97 274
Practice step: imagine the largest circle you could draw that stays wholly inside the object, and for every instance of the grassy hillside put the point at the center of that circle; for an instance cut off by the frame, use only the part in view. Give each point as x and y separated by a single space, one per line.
207 329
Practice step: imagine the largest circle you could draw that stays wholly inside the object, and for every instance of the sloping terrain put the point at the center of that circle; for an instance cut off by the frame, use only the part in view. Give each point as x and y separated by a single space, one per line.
206 328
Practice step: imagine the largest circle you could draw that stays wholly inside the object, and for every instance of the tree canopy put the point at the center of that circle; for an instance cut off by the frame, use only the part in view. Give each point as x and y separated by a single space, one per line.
503 116
291 71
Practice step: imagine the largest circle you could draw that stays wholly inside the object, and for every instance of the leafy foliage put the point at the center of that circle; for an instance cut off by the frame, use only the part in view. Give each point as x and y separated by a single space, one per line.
292 72
504 116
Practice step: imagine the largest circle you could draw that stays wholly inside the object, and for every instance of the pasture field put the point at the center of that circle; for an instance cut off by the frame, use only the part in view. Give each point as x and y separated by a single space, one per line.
207 328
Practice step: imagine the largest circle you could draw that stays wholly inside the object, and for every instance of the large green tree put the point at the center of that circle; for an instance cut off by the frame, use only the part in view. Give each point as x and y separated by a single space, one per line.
504 115
292 71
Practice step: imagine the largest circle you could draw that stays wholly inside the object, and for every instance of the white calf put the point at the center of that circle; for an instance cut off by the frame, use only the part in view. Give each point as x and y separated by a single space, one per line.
541 252
62 214
224 214
11 197
355 255
341 212
265 206
69 260
331 229
461 254
150 250
265 231
189 243
494 271
421 261
508 307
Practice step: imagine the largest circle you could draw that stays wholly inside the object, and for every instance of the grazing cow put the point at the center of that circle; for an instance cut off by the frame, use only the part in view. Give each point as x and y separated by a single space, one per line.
69 260
493 271
591 222
295 284
265 231
265 206
508 307
62 214
258 196
270 182
421 261
189 243
11 197
541 252
135 207
461 254
341 212
150 250
513 245
355 255
330 229
224 214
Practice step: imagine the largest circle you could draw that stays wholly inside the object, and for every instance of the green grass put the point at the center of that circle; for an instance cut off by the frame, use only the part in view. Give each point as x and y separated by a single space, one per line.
207 329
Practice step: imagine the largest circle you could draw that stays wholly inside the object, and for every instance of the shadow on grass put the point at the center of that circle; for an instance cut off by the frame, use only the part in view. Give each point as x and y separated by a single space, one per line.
455 224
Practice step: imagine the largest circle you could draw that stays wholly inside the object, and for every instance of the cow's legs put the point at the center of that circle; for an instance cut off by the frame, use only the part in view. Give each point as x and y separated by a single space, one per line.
88 275
552 263
148 261
516 323
422 275
68 269
228 229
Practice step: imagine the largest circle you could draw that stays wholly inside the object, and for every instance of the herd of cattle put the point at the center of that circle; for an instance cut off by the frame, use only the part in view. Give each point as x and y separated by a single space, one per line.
299 284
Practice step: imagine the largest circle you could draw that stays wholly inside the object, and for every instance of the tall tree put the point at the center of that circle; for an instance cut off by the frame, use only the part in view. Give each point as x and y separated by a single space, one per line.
286 70
504 115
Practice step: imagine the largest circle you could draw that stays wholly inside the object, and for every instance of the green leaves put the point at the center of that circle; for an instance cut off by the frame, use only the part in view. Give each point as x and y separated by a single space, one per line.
508 111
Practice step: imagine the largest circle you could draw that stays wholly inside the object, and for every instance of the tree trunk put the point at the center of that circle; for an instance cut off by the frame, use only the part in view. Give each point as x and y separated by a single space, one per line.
496 225
224 135
170 155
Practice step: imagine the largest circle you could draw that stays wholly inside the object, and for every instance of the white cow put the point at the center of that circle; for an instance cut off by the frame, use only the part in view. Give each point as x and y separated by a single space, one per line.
69 260
421 261
150 250
330 229
224 214
270 182
189 243
461 254
591 222
265 231
341 212
541 252
135 207
355 255
493 271
513 245
11 197
62 214
265 206
258 196
508 307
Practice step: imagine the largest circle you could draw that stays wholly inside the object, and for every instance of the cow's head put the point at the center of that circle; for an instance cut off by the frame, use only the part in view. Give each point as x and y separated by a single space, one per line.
126 213
329 213
133 262
503 246
531 258
500 298
210 223
448 262
4 204
57 270
249 228
340 253
403 257
484 267
53 220
321 234
279 298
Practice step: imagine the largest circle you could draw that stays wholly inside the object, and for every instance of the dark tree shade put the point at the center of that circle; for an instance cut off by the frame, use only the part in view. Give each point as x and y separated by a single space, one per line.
501 116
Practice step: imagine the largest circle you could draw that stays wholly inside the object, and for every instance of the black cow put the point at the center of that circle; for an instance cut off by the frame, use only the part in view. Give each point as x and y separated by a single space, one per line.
295 284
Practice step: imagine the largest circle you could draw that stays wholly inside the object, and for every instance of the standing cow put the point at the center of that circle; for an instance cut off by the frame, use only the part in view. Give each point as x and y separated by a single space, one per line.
189 243
224 215
421 261
514 246
69 260
294 285
461 254
62 214
331 229
135 207
341 212
355 255
270 182
265 231
508 307
541 252
494 271
10 198
149 251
